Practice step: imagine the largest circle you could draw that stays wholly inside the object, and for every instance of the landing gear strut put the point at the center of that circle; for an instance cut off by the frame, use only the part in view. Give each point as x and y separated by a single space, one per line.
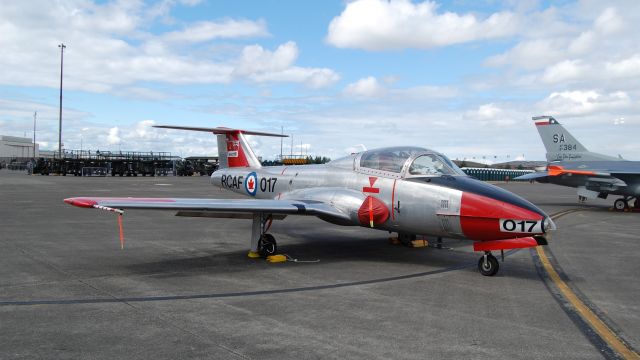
262 244
488 264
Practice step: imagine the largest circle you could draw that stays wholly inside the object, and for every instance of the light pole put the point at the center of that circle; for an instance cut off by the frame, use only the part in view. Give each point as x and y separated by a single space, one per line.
35 114
62 47
281 139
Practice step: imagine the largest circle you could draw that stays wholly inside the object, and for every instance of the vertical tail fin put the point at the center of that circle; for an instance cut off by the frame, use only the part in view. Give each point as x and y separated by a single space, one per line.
561 145
233 148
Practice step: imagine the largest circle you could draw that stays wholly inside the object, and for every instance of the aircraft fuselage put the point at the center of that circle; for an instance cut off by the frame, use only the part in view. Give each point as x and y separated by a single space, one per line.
450 206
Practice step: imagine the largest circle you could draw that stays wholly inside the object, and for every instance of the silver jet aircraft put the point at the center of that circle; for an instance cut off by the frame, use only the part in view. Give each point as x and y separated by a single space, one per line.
408 190
593 174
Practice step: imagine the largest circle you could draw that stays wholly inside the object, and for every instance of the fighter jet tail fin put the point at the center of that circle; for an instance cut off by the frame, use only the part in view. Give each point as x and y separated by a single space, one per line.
561 145
233 147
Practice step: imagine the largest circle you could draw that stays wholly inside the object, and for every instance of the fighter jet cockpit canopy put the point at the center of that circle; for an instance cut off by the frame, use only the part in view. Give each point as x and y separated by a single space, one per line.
416 161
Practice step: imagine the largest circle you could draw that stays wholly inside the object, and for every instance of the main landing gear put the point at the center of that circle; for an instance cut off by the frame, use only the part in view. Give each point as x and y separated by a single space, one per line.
622 204
262 244
267 245
488 264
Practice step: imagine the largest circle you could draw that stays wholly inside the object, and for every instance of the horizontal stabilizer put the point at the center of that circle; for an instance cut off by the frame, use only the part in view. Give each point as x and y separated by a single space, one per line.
219 130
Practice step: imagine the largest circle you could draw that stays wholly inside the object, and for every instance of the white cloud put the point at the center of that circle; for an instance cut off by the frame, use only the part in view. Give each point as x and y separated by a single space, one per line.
491 115
581 45
370 87
366 87
609 22
530 54
399 24
109 48
113 137
225 29
565 71
629 67
569 103
255 59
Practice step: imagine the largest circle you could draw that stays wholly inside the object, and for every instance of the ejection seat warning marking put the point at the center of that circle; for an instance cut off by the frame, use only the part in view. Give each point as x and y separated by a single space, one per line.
370 188
521 226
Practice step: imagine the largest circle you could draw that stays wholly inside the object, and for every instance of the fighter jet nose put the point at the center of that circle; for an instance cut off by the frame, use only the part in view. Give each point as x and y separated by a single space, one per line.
491 213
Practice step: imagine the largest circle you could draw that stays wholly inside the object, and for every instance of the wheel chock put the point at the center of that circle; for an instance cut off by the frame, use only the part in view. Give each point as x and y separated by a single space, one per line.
419 243
253 254
276 258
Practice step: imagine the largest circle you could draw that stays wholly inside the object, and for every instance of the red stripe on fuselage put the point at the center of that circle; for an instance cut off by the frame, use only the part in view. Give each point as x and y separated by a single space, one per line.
372 190
393 200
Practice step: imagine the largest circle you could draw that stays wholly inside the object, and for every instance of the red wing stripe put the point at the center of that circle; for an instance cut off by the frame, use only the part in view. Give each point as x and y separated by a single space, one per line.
393 200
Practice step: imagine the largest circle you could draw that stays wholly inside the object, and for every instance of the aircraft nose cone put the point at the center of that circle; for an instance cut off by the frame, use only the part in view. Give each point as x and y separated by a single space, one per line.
491 213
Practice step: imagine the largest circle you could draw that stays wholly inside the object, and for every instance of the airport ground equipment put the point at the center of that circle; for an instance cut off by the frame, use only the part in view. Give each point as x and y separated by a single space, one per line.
95 163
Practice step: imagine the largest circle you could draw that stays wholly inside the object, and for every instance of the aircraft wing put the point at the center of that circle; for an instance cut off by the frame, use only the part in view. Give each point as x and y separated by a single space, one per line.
532 176
285 207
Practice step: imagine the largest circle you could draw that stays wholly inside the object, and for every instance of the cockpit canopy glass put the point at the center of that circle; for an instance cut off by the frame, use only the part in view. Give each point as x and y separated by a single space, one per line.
431 164
388 159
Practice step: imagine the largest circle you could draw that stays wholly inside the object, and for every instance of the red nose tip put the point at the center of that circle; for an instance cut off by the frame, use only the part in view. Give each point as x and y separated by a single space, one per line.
480 217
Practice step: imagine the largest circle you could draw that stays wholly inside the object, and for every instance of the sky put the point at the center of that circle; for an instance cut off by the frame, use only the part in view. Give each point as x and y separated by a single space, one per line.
461 77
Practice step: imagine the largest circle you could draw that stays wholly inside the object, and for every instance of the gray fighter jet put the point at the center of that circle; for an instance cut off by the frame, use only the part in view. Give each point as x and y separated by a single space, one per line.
593 174
408 190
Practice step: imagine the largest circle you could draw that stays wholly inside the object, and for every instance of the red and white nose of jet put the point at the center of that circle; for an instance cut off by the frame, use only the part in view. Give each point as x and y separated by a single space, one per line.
487 218
488 212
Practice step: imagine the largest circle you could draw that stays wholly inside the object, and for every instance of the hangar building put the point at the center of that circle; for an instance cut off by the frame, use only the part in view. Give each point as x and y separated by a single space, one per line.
13 147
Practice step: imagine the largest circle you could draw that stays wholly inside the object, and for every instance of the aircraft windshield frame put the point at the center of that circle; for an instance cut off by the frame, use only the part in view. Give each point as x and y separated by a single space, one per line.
430 164
391 160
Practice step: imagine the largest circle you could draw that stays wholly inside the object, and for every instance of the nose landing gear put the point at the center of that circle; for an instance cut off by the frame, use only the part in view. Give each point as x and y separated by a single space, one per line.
624 203
488 264
621 204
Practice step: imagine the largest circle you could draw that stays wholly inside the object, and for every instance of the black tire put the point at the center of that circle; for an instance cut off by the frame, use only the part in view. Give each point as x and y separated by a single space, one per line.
620 205
406 239
490 268
267 245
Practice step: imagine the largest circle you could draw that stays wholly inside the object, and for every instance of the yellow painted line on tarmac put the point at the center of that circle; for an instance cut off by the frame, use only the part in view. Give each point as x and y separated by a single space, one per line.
594 321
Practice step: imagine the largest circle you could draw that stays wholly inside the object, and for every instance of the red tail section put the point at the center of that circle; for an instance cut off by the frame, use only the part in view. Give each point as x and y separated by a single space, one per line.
233 148
235 152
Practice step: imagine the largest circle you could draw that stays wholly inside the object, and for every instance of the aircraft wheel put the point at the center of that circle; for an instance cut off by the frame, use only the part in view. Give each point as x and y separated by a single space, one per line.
620 204
489 267
267 245
406 239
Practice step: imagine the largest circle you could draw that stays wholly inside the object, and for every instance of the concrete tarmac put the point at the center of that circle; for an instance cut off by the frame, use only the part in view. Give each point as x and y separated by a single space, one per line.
184 288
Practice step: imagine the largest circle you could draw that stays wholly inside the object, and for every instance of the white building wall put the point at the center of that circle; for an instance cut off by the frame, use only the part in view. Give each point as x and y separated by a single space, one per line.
17 147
